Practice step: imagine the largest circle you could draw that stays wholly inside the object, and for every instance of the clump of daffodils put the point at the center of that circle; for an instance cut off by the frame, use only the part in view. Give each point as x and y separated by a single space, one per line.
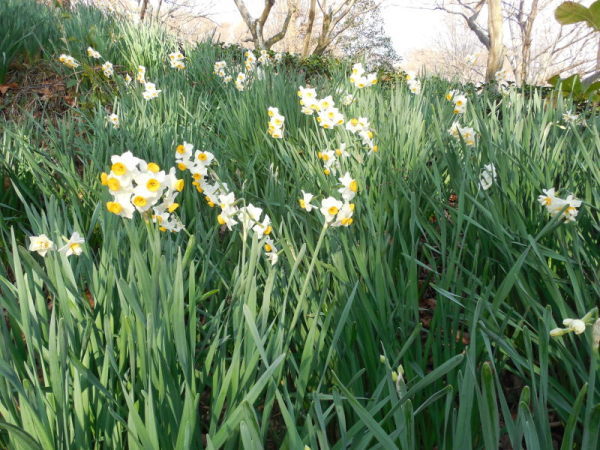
276 121
459 100
107 69
362 127
335 212
218 194
150 91
240 81
359 79
264 57
308 100
466 133
176 60
137 185
250 61
42 245
414 85
328 116
113 119
487 177
567 207
93 53
68 61
219 69
141 75
347 99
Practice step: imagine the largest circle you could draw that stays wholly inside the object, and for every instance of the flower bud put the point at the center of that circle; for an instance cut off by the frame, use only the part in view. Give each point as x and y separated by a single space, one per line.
556 332
596 334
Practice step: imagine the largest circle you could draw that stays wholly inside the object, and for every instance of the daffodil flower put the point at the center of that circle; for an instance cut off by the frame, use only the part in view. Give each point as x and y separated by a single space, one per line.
73 245
40 244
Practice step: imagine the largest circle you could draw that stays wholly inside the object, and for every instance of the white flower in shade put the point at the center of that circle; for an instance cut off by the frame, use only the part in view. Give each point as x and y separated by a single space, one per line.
348 99
127 79
305 201
93 53
330 208
73 245
349 187
487 177
113 119
40 244
108 70
569 117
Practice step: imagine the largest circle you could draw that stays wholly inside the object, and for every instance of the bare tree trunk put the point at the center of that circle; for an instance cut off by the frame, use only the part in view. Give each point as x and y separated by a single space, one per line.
311 21
143 10
496 49
257 26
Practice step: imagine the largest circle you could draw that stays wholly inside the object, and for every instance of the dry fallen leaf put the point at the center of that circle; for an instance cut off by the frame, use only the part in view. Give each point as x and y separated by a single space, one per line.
6 87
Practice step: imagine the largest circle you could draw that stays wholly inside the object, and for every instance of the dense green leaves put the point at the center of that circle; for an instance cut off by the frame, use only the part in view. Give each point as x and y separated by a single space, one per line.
424 324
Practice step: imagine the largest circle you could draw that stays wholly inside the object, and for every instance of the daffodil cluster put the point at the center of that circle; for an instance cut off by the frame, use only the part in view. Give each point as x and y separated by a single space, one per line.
219 69
107 69
347 99
335 212
276 120
567 207
250 62
42 245
362 127
459 100
264 57
141 75
359 79
331 159
240 81
68 61
150 91
176 60
198 162
137 185
466 133
414 85
328 116
93 53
